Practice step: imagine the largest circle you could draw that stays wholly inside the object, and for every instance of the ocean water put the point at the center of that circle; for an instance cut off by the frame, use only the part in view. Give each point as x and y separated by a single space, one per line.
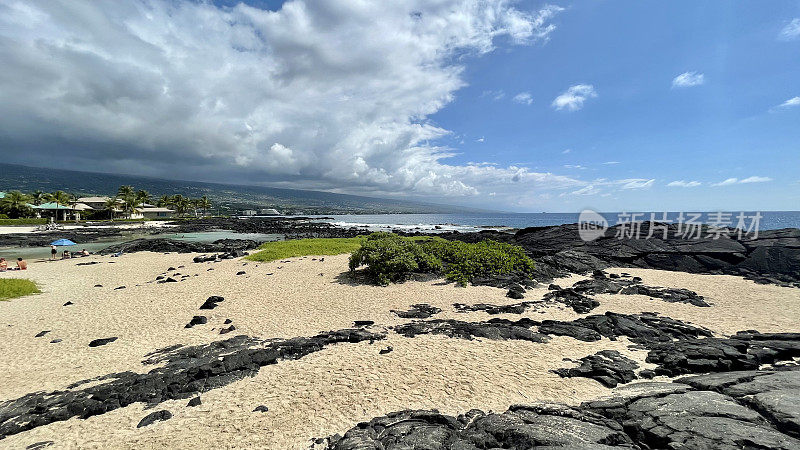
472 222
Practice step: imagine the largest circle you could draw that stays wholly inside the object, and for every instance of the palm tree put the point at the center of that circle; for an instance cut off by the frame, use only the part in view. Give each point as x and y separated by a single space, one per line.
143 196
59 198
164 201
125 190
204 203
111 206
181 204
15 204
38 197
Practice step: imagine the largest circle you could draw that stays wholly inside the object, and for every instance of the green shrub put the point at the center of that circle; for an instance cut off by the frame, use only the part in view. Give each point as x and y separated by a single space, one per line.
391 258
16 287
28 221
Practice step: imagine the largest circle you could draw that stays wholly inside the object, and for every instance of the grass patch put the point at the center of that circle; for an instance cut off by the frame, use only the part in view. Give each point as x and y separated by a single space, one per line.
32 221
16 287
270 251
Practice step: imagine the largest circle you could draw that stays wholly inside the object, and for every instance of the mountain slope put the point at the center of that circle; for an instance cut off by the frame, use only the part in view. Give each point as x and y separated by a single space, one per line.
227 198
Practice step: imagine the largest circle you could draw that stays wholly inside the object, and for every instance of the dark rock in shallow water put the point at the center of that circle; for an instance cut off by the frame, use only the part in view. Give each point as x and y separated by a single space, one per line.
418 311
226 246
608 367
183 372
154 417
195 402
197 320
211 302
102 341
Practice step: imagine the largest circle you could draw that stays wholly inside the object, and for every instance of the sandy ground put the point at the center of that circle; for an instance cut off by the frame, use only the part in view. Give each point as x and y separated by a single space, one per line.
328 391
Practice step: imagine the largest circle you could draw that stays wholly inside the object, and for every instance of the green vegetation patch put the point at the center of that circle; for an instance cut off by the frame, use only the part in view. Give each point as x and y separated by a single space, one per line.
16 287
270 251
392 258
27 221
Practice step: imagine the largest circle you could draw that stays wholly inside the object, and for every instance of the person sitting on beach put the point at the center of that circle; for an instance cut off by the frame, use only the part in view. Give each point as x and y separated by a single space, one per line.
3 265
65 255
84 252
22 264
53 252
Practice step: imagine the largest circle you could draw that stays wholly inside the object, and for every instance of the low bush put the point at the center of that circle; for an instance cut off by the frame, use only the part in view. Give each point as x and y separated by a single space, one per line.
16 287
391 258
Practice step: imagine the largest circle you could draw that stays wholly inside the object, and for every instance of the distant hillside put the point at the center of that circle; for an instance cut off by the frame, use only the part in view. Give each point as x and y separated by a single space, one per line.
227 198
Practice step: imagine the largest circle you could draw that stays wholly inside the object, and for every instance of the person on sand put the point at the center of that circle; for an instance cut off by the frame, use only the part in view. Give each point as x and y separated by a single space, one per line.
84 253
65 255
3 265
22 264
53 252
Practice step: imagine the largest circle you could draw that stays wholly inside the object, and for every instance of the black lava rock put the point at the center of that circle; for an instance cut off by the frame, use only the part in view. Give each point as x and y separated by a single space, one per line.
154 417
194 401
196 320
102 341
211 302
261 408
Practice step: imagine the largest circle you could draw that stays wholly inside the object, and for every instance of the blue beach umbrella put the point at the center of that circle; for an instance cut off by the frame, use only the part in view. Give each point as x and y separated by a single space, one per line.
62 242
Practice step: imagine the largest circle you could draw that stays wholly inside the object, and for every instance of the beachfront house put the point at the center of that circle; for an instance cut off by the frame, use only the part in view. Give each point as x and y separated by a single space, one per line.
146 211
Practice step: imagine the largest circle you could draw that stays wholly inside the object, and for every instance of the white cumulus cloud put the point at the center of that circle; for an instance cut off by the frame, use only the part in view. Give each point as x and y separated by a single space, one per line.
322 94
523 98
688 79
791 30
682 183
792 102
574 97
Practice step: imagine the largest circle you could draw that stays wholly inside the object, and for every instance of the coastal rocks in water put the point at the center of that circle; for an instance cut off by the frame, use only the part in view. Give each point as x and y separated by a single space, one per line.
102 341
418 311
197 320
154 417
161 245
183 372
772 257
495 329
608 367
211 302
521 427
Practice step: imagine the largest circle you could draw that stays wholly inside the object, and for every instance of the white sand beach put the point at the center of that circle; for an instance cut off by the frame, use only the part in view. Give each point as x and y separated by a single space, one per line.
328 391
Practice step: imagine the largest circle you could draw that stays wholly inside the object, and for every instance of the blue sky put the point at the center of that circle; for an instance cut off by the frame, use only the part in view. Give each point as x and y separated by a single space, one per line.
520 106
729 126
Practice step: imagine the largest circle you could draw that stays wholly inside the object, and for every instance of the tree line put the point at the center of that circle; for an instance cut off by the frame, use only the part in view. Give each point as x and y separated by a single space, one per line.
127 201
